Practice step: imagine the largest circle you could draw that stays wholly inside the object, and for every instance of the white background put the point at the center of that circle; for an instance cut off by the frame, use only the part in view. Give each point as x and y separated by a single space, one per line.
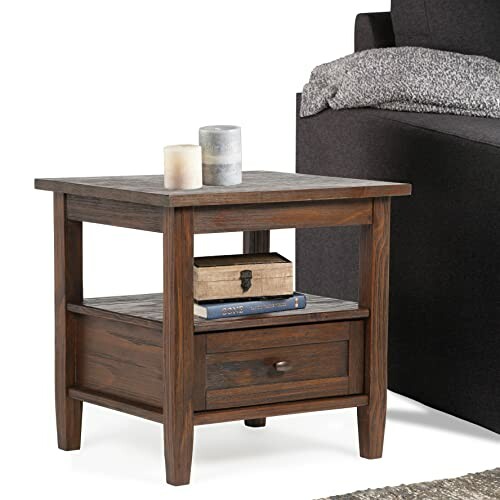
98 87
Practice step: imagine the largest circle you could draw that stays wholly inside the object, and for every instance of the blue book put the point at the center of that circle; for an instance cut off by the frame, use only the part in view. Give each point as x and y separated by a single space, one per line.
217 310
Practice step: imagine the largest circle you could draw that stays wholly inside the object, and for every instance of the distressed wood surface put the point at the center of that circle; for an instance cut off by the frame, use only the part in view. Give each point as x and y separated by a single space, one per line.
115 213
68 287
374 294
139 354
257 187
316 354
260 286
284 336
274 393
250 413
200 372
245 368
120 359
117 403
277 409
124 361
178 343
223 218
147 310
220 277
356 357
257 217
256 242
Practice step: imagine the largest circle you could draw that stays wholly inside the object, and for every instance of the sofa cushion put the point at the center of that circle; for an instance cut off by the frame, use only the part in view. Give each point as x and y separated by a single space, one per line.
469 27
481 130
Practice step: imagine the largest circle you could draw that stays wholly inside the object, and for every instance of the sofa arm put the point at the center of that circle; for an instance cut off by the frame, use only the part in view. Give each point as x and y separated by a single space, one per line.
373 31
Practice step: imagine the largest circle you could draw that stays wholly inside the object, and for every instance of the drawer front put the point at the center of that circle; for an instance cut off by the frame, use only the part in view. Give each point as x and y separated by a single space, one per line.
284 364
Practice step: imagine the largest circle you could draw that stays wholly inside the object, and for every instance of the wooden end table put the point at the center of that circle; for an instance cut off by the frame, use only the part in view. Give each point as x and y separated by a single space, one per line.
149 356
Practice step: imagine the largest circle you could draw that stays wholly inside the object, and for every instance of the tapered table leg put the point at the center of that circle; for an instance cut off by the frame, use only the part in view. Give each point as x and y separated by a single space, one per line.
68 288
255 422
178 343
256 242
374 294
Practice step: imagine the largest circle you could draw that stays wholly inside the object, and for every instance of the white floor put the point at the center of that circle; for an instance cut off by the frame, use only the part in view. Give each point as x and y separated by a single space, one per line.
298 457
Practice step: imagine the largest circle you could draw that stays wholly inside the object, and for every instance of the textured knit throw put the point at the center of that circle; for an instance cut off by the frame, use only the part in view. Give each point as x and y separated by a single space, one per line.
406 79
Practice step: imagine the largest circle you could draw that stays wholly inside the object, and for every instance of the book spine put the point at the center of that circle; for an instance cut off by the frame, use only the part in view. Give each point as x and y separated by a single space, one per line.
230 310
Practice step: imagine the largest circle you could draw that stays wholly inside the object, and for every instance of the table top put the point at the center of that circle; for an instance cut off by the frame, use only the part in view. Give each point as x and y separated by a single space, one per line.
257 187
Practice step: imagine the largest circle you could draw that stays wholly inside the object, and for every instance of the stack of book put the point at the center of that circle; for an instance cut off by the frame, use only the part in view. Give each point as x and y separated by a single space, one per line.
240 285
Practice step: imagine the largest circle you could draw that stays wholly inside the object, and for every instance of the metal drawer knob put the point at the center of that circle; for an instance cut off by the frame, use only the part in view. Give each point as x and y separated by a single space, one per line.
282 366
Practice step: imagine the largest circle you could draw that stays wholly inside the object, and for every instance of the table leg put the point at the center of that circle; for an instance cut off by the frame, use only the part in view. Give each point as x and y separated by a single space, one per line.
68 288
374 294
178 342
256 242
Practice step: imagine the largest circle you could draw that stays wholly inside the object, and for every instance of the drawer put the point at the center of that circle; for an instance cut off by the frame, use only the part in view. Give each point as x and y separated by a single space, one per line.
269 365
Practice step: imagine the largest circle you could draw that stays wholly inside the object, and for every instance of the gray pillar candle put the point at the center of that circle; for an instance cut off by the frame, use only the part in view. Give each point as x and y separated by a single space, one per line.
221 154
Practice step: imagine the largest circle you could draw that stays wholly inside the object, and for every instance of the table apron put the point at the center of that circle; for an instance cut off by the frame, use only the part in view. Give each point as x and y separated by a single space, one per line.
225 218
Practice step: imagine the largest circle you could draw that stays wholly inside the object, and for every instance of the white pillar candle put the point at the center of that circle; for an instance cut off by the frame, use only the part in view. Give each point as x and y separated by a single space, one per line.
183 167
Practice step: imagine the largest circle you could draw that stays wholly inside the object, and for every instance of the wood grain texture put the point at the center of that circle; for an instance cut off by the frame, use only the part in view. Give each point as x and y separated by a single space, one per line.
115 213
356 357
216 219
256 367
318 309
68 287
116 403
227 218
223 218
120 360
124 361
98 312
200 372
147 310
256 242
274 393
257 187
227 415
178 343
220 277
277 409
273 337
140 354
374 294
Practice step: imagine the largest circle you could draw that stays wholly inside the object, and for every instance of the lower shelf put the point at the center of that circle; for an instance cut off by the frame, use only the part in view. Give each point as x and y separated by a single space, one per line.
147 310
216 416
114 403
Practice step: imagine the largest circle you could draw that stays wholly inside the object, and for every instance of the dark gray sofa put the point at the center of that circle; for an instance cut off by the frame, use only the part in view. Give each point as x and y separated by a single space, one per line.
444 328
